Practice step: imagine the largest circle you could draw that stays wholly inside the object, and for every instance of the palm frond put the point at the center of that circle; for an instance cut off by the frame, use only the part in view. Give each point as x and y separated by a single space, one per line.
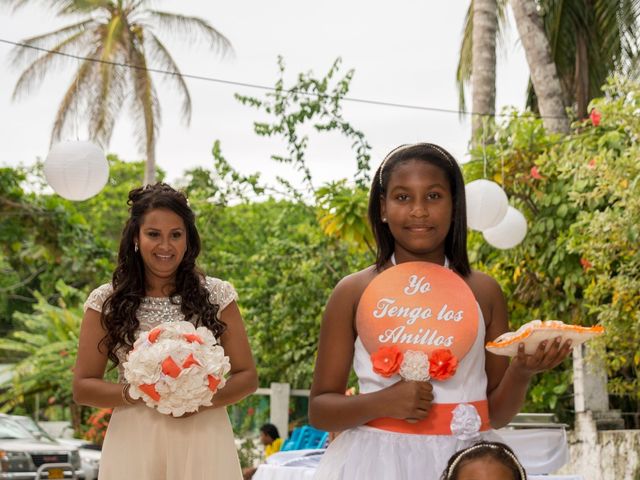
61 7
110 84
110 91
35 73
192 29
20 55
164 60
74 96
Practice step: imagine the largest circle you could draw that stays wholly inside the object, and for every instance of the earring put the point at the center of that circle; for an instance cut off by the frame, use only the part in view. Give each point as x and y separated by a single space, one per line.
135 247
384 219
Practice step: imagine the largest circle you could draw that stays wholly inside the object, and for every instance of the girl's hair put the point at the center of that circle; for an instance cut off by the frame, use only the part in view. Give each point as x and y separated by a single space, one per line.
495 450
455 246
271 430
119 311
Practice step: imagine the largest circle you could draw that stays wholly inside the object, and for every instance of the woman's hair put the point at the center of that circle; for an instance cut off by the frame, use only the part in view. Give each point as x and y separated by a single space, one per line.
455 246
497 451
271 430
128 281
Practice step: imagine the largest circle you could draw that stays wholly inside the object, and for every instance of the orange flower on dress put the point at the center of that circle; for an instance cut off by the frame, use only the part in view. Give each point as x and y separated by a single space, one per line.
442 364
387 360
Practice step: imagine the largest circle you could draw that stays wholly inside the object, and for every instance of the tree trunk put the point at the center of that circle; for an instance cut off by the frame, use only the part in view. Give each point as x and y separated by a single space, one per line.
544 75
582 89
483 69
150 165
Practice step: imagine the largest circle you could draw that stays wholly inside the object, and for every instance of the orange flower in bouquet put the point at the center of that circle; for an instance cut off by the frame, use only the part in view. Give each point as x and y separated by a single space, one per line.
386 361
442 364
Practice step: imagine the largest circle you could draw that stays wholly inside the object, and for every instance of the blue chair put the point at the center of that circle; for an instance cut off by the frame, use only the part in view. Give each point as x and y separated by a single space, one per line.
306 437
291 442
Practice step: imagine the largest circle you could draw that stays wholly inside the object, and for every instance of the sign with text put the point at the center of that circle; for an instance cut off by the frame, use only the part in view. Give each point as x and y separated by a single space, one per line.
418 306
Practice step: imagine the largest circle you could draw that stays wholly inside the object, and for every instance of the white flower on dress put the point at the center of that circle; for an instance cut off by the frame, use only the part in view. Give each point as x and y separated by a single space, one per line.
465 422
176 368
415 366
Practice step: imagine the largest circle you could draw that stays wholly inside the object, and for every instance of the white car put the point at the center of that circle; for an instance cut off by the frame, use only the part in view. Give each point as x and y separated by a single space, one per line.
89 456
89 452
22 455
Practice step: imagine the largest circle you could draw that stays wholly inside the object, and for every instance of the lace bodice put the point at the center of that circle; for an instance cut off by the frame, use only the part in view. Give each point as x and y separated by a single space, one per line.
156 310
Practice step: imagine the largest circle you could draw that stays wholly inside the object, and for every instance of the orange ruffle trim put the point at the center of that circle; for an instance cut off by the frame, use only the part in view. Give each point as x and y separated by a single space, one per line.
529 328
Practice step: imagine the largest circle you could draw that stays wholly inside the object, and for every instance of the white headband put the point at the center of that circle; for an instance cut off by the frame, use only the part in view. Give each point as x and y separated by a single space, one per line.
404 147
488 445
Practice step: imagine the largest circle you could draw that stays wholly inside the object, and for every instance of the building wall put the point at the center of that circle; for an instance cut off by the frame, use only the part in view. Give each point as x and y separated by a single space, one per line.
602 455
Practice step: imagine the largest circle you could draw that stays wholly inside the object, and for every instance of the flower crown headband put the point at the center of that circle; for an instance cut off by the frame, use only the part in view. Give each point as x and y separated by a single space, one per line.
404 147
455 463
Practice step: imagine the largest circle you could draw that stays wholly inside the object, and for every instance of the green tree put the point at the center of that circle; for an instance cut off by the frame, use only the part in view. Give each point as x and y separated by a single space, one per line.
46 343
109 34
43 239
315 101
578 262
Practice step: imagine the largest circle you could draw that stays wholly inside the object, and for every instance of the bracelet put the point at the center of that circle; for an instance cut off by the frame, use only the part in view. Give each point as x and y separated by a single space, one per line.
125 395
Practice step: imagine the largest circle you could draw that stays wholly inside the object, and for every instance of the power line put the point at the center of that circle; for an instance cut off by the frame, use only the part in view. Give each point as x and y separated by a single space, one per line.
257 86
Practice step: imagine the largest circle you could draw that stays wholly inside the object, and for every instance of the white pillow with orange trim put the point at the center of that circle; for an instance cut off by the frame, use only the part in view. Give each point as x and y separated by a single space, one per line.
536 331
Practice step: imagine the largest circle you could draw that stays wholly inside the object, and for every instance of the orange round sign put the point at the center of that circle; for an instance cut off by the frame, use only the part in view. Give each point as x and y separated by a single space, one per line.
418 306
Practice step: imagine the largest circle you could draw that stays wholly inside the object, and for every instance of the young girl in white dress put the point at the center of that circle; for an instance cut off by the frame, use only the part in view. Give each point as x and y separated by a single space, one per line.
156 281
398 429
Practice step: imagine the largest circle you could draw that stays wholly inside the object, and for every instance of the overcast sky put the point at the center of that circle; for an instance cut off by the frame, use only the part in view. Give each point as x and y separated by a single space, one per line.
404 51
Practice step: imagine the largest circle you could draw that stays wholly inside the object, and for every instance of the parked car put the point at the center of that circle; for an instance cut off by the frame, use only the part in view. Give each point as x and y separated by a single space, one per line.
89 452
22 454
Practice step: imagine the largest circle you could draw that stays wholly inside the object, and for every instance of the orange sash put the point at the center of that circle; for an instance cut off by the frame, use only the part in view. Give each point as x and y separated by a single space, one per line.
438 422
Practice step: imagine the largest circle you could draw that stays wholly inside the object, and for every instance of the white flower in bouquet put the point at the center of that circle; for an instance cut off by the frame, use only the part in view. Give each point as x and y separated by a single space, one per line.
415 366
176 368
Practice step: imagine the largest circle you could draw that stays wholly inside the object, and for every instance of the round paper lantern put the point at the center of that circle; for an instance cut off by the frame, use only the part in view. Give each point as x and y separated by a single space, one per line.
486 204
509 232
76 170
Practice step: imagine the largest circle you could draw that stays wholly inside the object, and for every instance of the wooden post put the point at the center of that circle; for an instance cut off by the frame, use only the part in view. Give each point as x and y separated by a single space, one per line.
590 390
279 406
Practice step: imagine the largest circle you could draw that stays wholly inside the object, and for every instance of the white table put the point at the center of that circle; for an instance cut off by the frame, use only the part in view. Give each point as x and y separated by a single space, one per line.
282 472
549 454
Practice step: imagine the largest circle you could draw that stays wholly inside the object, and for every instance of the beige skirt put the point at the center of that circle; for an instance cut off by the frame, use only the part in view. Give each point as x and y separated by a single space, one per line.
142 444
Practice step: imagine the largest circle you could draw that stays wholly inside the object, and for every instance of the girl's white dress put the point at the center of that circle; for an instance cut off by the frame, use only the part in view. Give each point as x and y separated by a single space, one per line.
367 453
143 444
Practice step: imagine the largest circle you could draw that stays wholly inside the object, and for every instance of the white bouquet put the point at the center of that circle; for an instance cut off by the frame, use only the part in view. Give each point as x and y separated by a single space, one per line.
176 368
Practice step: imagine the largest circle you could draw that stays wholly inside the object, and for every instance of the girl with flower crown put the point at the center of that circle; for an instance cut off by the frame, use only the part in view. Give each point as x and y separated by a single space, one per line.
424 393
156 281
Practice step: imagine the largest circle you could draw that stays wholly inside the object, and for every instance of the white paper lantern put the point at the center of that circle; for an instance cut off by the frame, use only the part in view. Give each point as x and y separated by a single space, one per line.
509 232
76 170
486 204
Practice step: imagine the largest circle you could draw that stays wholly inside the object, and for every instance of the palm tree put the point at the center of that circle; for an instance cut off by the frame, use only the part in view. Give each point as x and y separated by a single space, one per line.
588 39
544 75
478 61
109 34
